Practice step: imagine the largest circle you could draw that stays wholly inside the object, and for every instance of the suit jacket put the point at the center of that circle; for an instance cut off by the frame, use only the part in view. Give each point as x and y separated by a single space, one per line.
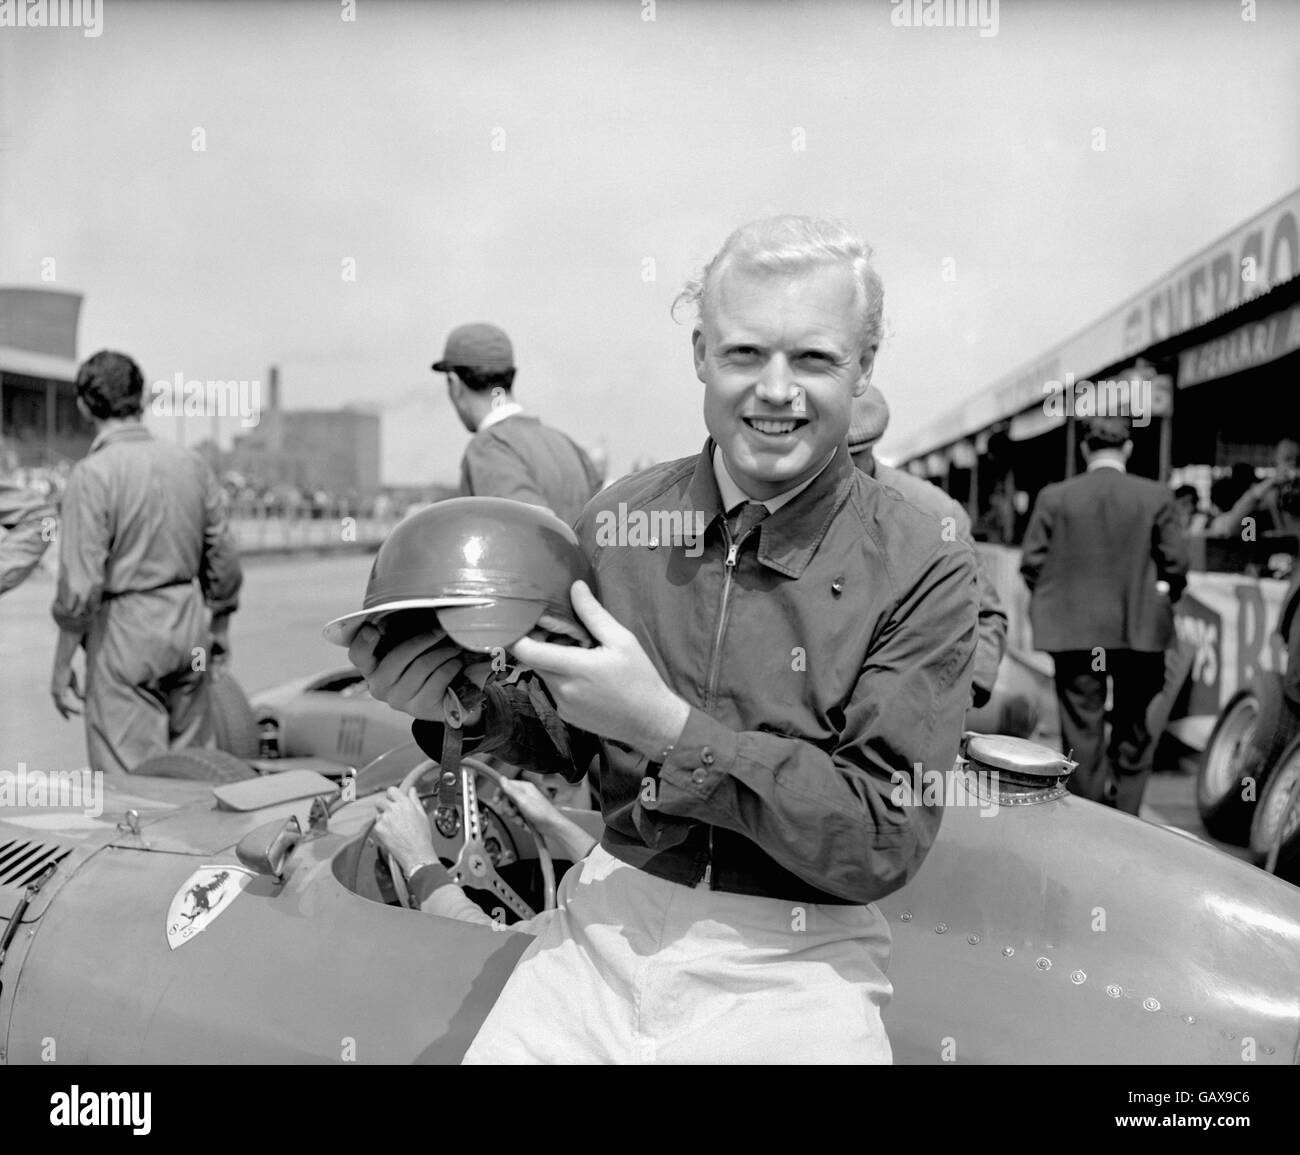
1095 547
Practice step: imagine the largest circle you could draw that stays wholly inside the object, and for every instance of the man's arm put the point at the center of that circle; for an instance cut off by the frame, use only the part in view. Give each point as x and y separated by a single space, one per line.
1169 549
833 818
1229 524
24 514
220 574
1038 538
84 536
992 641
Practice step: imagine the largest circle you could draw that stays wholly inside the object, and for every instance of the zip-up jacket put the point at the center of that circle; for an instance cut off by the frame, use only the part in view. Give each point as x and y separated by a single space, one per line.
993 618
826 658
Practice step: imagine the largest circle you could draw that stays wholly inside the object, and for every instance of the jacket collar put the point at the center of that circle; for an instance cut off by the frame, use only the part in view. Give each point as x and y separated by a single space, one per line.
500 413
133 431
788 539
1106 463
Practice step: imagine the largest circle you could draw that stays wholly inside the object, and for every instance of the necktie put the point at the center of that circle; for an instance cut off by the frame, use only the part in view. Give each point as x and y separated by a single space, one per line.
745 518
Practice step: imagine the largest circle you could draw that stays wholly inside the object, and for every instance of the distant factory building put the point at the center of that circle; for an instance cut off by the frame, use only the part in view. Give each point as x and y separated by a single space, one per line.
38 370
336 450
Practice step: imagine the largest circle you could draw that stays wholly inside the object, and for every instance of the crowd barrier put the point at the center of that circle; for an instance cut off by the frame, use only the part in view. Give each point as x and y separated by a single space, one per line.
313 530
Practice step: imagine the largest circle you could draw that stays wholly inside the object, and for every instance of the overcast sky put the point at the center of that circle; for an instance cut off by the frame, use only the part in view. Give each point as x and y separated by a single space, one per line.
560 168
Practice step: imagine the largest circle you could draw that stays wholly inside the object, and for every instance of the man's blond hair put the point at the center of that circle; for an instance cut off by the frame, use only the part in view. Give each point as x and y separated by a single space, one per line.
792 244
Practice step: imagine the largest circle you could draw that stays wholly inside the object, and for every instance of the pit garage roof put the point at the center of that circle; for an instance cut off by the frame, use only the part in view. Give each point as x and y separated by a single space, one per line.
1258 255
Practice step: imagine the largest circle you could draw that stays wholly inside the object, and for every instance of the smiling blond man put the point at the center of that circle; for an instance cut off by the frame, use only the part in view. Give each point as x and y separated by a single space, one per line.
750 703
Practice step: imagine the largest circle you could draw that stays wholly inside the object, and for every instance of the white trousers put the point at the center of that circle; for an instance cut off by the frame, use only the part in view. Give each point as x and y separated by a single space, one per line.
631 968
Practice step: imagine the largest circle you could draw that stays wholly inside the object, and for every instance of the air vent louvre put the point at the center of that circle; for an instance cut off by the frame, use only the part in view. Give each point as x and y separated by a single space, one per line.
22 861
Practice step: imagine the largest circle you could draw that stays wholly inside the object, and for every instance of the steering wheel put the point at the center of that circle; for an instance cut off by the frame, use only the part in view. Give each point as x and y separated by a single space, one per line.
462 841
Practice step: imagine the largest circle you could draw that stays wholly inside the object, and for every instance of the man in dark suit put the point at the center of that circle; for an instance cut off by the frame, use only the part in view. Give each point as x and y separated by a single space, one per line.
1104 559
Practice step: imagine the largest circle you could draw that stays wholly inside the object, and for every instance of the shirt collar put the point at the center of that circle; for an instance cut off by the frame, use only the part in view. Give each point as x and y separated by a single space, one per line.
732 495
1106 463
789 538
132 431
500 413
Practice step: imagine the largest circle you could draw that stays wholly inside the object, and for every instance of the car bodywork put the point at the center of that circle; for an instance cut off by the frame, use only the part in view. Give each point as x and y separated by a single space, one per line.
330 716
1042 928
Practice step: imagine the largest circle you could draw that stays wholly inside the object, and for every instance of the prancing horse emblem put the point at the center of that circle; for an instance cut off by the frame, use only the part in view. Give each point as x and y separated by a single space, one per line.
203 896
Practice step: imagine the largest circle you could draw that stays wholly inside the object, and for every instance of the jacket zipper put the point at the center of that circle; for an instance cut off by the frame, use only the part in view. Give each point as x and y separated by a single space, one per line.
715 659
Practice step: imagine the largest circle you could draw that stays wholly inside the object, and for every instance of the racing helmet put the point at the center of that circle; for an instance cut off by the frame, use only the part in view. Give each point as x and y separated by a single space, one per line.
492 569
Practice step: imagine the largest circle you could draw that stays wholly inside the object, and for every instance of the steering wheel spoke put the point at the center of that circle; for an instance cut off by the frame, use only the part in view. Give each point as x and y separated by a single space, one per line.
474 869
472 863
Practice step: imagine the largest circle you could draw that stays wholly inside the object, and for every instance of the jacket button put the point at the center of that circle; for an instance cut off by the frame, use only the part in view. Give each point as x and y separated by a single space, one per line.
706 755
698 777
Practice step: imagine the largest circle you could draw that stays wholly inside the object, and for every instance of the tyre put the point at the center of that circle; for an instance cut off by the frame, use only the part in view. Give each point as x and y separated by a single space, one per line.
1251 732
1229 757
1278 813
197 765
233 724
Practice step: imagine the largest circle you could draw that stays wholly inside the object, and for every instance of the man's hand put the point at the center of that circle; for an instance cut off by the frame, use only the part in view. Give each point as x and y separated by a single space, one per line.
414 675
62 680
612 690
403 830
568 837
530 802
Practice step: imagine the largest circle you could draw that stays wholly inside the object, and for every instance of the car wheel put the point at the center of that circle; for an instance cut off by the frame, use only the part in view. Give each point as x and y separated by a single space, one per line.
233 723
197 765
1278 813
1250 733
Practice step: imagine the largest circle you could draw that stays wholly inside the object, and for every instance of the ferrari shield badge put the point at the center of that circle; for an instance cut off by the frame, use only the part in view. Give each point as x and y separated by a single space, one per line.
203 896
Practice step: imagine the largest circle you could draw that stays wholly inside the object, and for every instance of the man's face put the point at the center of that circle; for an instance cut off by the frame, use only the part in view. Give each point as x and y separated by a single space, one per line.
780 358
458 395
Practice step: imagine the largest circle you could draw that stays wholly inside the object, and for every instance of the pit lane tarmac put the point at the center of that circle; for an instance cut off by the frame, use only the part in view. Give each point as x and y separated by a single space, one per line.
275 636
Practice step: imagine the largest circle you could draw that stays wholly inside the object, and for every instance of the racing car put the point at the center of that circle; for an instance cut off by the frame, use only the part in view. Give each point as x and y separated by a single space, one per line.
254 918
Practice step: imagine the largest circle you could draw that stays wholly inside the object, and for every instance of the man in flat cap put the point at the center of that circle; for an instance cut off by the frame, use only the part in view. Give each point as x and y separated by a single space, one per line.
512 454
